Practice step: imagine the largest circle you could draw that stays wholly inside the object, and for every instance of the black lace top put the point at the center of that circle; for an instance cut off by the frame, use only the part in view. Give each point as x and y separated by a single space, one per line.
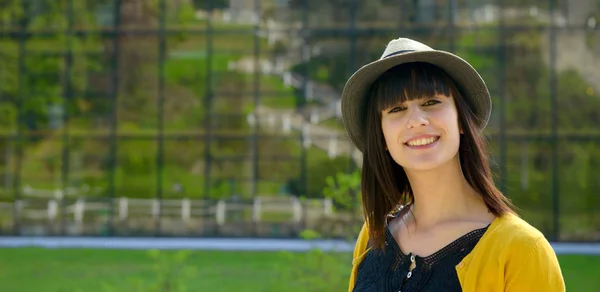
395 271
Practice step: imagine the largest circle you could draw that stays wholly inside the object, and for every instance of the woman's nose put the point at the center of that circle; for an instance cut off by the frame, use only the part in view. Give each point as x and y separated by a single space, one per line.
416 118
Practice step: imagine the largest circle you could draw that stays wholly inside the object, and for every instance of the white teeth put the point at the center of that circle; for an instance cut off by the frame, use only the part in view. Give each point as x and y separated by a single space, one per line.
421 142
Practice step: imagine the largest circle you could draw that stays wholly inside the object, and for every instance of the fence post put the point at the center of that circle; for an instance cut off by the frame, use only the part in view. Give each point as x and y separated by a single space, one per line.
52 209
306 135
155 208
251 119
18 209
286 124
332 149
123 208
296 209
328 207
314 117
271 120
78 212
256 209
185 210
220 212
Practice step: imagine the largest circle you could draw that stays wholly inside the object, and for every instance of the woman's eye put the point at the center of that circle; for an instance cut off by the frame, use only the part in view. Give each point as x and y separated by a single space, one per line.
396 109
431 102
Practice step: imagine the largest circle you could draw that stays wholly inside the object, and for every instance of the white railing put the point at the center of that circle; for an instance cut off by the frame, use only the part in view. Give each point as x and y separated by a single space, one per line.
184 209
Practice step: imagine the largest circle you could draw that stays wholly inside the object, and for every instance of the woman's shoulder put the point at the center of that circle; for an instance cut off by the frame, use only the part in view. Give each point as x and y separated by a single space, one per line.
512 228
516 235
526 256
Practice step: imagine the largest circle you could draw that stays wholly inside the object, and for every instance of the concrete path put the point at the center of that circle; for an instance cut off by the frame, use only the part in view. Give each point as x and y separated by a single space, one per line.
224 244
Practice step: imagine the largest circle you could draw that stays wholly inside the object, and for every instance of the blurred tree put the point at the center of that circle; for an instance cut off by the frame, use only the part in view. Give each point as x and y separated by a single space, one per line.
47 73
211 4
43 80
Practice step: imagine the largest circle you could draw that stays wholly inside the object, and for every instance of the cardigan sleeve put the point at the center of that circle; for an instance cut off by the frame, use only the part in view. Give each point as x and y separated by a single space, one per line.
535 268
359 250
361 242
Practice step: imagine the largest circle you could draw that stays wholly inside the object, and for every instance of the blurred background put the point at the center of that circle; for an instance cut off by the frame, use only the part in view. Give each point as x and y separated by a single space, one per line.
146 137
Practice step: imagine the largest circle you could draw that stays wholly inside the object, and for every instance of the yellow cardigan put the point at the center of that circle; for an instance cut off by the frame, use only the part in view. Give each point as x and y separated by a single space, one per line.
511 256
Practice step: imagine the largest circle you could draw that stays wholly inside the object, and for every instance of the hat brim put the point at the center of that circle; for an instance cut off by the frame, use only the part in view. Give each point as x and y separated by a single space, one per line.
468 81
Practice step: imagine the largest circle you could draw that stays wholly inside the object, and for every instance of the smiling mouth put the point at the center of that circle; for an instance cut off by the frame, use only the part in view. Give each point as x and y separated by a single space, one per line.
422 141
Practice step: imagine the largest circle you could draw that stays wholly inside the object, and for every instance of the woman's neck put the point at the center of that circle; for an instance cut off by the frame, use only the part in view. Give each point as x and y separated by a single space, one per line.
442 195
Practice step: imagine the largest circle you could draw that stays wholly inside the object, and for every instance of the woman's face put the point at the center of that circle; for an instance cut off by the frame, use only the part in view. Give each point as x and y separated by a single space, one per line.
422 134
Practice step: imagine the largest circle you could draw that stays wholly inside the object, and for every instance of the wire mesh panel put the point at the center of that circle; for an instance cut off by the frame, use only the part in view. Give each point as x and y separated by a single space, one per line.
222 118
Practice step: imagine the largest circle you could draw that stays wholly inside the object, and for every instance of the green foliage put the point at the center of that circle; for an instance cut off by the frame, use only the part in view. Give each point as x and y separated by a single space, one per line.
45 70
171 272
8 116
309 234
319 270
332 70
319 167
210 4
344 189
184 13
315 270
529 110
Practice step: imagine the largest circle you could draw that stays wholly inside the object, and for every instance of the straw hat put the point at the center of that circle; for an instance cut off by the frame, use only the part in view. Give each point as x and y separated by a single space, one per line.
400 51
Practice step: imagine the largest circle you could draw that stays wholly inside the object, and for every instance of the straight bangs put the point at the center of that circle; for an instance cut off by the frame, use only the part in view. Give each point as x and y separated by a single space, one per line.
407 82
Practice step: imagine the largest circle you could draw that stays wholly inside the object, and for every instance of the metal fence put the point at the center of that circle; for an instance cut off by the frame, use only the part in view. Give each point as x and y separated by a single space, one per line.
187 108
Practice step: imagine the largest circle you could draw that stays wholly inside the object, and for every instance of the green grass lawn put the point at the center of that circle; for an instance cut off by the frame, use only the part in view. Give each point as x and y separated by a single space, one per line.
34 269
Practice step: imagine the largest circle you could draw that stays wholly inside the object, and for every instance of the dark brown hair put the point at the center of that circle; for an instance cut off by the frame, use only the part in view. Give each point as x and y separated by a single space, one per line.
384 182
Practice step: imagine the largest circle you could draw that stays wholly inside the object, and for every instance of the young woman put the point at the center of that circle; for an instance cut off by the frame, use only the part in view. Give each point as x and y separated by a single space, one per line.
434 219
